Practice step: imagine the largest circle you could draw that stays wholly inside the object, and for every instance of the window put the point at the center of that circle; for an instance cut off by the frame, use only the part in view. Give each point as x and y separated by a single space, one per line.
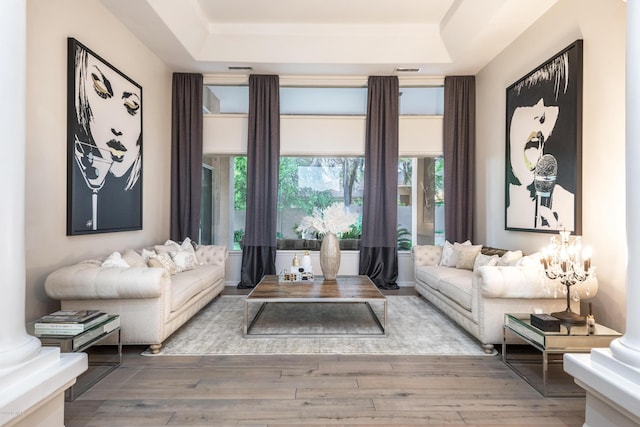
308 182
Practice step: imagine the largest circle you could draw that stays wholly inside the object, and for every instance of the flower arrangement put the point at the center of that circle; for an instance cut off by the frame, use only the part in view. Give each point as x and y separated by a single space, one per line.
332 219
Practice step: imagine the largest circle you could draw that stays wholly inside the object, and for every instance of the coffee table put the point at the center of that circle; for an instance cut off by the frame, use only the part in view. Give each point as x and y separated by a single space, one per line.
345 289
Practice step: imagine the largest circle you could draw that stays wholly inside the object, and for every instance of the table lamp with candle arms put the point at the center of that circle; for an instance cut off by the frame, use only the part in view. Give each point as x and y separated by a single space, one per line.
568 262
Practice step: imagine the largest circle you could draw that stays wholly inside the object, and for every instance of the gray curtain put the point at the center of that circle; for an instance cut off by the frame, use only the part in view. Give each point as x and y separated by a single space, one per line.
186 155
263 160
459 139
378 247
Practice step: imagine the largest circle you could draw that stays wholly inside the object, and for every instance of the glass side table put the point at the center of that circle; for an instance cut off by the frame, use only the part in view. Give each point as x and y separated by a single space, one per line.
552 346
98 369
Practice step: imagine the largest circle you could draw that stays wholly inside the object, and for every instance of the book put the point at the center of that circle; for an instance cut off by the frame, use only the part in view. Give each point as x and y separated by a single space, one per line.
45 328
69 316
110 325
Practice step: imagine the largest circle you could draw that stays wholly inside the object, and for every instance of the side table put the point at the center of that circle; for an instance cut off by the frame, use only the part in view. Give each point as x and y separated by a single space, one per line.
81 342
551 345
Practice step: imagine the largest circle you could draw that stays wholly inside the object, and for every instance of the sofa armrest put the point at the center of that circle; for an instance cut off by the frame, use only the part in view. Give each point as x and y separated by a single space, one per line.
89 281
526 282
212 254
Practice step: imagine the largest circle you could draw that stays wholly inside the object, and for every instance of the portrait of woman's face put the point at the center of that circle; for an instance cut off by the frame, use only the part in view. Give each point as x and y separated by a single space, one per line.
114 121
531 127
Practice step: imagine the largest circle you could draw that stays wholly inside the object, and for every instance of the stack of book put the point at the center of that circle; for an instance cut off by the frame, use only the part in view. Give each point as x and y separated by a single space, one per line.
69 322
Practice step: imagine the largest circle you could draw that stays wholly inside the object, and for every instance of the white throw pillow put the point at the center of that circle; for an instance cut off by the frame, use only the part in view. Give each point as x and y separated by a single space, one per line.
482 260
467 256
510 258
146 254
115 260
450 253
184 260
533 260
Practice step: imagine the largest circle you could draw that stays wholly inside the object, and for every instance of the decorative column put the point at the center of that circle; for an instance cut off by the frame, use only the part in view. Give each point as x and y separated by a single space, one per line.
611 377
32 378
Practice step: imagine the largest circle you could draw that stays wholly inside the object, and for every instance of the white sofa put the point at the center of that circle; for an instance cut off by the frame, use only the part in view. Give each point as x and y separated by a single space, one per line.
475 292
152 301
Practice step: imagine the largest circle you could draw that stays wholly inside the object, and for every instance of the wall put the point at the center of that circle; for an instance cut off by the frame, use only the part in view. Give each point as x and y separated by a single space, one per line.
49 23
601 24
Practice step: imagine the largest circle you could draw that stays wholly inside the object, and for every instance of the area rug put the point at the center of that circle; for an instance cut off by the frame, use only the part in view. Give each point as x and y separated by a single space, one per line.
414 327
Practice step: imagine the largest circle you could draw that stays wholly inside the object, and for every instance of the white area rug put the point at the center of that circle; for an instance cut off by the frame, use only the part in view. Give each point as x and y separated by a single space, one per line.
415 328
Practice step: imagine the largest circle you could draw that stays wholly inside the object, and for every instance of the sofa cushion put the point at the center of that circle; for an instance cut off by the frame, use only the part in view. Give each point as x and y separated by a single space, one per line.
482 260
188 284
457 286
510 258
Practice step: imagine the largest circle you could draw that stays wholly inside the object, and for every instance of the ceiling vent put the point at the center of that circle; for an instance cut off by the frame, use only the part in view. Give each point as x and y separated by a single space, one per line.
407 70
240 68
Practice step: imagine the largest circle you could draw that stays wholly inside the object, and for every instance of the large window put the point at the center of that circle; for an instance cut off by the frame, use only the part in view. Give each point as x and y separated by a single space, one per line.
318 182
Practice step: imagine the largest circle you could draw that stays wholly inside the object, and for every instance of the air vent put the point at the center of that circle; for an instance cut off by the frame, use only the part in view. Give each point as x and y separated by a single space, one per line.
407 70
240 68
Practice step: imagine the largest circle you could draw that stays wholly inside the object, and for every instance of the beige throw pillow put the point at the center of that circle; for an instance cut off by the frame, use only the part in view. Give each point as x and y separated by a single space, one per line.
163 260
467 256
133 258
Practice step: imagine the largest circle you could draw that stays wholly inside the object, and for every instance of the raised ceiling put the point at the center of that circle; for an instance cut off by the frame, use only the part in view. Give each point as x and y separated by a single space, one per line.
328 37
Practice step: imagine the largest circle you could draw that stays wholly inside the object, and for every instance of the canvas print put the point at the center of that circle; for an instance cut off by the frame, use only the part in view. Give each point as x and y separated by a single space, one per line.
104 127
543 146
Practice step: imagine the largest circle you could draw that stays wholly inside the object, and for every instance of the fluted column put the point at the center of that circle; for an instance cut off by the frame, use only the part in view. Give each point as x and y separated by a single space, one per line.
32 378
15 345
627 348
611 376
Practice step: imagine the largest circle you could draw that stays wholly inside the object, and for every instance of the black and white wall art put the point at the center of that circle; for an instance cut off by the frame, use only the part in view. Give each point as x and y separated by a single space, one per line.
544 146
104 144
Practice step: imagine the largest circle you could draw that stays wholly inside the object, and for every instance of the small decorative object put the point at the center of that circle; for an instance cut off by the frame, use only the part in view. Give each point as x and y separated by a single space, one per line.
570 264
591 321
329 222
545 322
306 261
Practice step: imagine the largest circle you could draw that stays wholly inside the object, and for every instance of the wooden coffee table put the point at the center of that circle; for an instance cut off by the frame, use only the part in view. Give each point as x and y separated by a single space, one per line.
345 289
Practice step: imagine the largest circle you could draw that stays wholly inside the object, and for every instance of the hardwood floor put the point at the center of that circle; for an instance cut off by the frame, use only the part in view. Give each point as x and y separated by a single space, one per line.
317 390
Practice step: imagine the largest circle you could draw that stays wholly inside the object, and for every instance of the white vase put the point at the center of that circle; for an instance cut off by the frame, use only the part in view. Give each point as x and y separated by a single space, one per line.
330 256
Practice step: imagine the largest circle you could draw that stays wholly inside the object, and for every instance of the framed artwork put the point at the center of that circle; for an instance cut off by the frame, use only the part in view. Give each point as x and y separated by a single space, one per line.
104 145
544 146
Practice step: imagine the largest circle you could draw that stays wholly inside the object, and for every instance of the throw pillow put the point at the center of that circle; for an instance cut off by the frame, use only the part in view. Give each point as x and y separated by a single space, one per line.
450 253
482 260
467 256
190 247
166 249
146 254
510 258
184 260
533 260
447 252
163 260
115 260
133 258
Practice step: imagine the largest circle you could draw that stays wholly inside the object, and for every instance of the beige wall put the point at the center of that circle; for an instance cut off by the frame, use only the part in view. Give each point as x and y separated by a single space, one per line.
49 23
601 24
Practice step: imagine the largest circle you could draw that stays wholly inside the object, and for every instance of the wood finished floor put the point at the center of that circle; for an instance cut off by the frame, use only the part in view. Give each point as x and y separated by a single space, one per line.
317 390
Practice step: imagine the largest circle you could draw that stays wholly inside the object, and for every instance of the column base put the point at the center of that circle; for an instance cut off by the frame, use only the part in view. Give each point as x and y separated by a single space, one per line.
612 387
32 393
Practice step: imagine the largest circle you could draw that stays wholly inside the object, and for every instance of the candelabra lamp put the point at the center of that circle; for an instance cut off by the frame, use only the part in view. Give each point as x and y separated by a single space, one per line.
568 262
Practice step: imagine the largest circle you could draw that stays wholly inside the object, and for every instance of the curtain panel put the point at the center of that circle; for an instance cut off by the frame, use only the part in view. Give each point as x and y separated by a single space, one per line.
263 160
378 246
186 155
459 142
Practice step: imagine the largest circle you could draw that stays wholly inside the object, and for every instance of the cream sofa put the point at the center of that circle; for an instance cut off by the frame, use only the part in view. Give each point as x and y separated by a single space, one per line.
475 288
152 301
